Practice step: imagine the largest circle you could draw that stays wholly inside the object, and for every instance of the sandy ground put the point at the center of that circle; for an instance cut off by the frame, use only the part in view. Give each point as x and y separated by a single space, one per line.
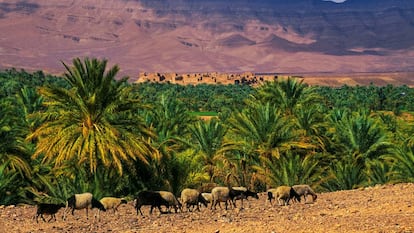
386 208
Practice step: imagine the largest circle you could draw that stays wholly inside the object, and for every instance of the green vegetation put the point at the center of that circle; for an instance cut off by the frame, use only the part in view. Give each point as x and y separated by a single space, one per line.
93 131
204 114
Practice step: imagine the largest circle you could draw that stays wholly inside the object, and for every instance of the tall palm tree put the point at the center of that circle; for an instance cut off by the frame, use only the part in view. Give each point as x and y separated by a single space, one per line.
344 175
241 165
360 136
208 138
380 171
262 130
265 128
312 126
92 121
287 94
30 102
170 121
402 162
7 184
293 169
13 149
358 142
15 169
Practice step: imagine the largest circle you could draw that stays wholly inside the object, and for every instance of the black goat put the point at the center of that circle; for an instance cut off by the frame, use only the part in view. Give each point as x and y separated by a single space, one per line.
246 193
152 198
49 209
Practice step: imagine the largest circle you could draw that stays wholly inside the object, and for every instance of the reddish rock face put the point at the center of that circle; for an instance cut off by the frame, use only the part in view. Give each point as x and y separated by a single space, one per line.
191 36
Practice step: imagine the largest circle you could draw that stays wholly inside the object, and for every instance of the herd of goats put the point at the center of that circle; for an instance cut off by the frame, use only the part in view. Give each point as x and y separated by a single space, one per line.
190 198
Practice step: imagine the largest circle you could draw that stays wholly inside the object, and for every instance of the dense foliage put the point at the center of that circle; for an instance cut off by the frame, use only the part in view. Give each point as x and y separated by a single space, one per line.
93 131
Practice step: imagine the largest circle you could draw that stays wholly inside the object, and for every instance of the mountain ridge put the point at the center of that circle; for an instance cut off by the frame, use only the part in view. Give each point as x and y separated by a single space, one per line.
205 36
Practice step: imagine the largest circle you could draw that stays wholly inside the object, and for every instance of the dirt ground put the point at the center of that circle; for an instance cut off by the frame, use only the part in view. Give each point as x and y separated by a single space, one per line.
388 208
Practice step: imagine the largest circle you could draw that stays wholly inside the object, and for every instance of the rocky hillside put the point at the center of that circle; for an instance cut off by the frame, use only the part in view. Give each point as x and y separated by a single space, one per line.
298 36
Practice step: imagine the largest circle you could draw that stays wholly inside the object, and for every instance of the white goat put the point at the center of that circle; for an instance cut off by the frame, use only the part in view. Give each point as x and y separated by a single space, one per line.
82 201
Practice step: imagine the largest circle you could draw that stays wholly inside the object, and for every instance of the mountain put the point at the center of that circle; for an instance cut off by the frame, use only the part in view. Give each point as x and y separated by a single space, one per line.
296 36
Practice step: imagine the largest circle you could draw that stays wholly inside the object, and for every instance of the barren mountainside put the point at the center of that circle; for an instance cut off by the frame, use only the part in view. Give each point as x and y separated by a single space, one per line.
298 36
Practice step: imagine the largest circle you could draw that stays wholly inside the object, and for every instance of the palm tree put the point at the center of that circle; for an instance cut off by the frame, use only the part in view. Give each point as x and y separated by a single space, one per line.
293 169
30 100
380 171
241 166
15 169
344 175
92 121
7 184
312 126
402 162
13 149
170 121
358 142
361 136
262 130
287 94
208 139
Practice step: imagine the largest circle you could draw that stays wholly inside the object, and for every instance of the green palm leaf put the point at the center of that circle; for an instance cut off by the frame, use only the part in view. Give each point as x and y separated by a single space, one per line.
82 122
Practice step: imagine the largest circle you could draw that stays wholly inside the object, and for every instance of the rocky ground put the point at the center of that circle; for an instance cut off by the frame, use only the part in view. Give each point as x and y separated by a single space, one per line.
388 208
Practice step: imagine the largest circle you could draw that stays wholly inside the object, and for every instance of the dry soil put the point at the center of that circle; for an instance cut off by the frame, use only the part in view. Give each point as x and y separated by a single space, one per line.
387 208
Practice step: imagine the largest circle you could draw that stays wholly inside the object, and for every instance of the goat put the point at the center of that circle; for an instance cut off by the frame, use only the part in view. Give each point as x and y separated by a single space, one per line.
224 194
152 198
246 193
283 195
82 201
171 199
304 190
192 197
49 209
112 203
